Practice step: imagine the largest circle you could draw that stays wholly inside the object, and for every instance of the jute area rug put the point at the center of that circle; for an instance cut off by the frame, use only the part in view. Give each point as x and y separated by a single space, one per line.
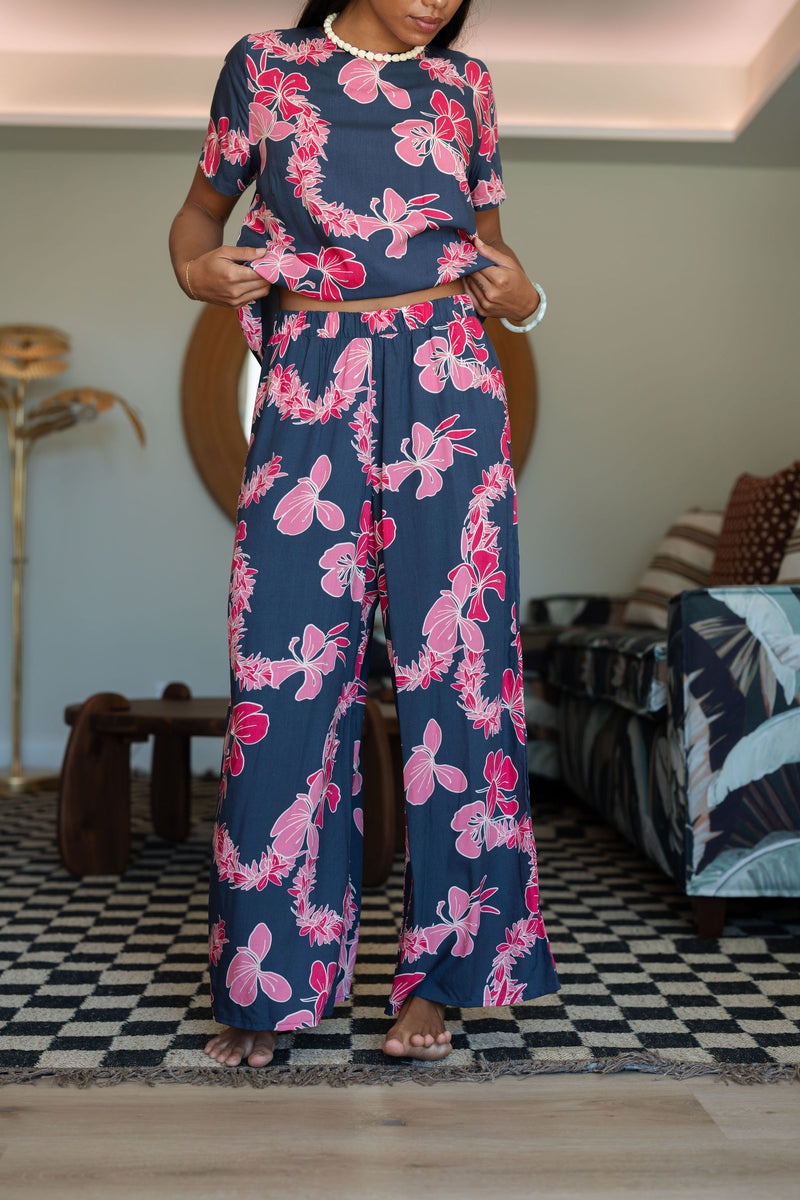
104 979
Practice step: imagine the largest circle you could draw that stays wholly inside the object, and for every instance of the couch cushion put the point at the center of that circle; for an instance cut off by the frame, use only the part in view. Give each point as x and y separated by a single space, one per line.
682 561
759 520
619 665
789 571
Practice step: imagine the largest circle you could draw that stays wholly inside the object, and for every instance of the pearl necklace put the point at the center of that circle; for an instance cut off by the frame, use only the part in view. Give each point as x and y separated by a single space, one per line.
372 55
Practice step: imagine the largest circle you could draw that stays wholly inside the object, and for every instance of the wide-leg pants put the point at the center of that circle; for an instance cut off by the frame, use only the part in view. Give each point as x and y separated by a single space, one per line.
378 472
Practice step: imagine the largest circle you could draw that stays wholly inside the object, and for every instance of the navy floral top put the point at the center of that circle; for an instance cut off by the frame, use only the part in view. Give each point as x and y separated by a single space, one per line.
367 174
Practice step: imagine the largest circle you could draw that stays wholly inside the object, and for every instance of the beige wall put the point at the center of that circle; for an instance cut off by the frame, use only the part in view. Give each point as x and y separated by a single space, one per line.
668 363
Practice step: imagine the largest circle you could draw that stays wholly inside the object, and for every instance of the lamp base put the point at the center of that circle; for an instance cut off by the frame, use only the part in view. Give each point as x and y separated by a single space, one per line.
32 782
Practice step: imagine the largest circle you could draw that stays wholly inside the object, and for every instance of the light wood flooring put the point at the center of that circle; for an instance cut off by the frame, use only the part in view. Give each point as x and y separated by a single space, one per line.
564 1136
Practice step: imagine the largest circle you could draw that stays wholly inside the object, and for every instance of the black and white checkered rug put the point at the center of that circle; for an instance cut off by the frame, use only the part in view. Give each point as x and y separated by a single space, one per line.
104 978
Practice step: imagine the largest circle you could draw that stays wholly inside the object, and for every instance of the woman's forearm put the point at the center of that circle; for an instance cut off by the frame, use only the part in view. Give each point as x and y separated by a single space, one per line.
194 232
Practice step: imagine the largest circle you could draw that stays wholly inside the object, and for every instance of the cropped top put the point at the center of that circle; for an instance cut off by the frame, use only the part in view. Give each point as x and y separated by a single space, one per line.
367 174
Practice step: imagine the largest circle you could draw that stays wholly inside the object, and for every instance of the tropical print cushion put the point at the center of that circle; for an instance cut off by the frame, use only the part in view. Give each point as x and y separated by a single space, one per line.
734 676
682 561
619 763
759 519
613 664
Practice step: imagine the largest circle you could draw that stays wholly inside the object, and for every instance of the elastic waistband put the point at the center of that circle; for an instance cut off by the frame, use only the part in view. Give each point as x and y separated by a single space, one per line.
383 322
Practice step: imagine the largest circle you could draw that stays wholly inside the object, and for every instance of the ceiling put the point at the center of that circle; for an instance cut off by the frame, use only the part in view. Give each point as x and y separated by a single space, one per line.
656 71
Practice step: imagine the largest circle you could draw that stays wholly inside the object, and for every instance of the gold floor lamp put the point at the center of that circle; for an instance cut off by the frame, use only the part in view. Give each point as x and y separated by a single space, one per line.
29 353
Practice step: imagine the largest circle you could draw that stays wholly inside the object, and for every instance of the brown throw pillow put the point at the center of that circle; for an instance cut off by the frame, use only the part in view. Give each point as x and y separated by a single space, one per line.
759 520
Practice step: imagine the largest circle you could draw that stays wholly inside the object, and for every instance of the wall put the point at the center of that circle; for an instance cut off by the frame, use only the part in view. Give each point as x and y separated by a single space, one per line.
668 364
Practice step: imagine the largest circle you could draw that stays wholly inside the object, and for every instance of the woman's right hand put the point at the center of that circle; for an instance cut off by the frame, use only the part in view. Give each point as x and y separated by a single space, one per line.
219 276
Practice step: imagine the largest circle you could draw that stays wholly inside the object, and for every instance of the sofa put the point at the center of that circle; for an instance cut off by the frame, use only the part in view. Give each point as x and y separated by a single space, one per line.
675 712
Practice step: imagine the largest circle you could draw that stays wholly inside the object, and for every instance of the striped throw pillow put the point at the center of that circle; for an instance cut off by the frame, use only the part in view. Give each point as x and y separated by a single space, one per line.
790 567
682 562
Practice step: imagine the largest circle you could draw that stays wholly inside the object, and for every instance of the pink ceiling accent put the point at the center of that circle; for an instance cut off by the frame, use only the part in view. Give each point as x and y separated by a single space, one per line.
699 32
643 69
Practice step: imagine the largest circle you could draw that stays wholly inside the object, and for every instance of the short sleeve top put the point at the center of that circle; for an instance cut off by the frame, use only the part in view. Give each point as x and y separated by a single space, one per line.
367 174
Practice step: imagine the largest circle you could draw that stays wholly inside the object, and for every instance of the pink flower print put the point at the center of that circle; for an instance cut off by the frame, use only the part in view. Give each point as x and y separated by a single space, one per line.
341 573
251 328
452 123
273 87
352 365
321 979
379 319
417 314
245 975
402 218
294 827
211 154
466 332
310 51
338 267
403 987
297 509
489 578
318 655
418 139
446 623
385 532
431 453
296 1020
459 259
514 702
439 362
247 725
501 775
280 264
442 71
481 84
464 917
505 447
361 79
216 940
265 125
357 778
298 825
421 773
256 486
331 326
474 827
347 561
489 192
289 331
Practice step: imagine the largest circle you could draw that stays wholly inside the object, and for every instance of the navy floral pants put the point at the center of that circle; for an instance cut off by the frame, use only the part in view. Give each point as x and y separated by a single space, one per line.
378 472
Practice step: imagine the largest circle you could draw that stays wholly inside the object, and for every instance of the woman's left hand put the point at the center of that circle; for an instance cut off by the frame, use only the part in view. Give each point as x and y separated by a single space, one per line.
503 290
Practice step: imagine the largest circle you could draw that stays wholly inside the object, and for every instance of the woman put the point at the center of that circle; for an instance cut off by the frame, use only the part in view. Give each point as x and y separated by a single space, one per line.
378 472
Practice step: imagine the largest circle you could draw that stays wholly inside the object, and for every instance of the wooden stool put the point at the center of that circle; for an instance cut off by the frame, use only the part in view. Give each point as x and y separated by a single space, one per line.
94 796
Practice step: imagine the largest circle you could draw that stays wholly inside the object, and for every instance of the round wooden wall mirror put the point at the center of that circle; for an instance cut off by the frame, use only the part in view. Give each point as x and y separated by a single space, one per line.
211 397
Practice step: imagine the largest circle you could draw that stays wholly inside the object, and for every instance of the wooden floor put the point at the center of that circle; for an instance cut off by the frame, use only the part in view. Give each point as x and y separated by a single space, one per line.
517 1139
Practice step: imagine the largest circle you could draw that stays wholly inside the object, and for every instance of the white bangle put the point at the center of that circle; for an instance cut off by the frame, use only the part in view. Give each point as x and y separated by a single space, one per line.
535 319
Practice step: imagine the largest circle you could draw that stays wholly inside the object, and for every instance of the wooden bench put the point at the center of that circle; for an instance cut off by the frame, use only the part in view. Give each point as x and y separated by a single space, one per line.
94 797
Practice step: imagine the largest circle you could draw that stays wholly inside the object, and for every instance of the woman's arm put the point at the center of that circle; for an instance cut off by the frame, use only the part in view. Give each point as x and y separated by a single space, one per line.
205 269
503 290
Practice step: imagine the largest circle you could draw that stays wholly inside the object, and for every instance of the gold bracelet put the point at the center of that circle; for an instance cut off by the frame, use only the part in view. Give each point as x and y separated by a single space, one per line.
189 286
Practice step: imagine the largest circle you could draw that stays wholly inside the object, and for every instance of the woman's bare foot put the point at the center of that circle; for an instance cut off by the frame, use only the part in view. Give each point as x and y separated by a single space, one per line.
232 1045
419 1031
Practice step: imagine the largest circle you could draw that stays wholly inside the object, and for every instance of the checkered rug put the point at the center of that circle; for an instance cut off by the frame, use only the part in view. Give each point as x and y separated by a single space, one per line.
104 978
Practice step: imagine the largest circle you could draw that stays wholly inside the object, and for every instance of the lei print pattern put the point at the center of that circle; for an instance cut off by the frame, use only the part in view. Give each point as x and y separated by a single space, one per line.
465 670
378 472
287 111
